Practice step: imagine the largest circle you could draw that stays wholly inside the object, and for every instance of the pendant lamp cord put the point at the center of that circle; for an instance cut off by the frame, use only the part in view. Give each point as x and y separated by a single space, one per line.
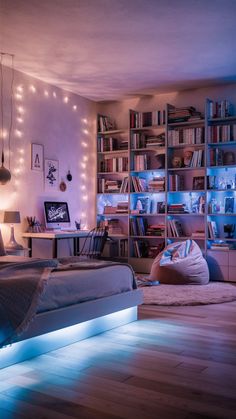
11 114
11 105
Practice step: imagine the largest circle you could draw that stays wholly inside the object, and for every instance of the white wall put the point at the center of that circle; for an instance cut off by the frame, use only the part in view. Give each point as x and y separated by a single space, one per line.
67 134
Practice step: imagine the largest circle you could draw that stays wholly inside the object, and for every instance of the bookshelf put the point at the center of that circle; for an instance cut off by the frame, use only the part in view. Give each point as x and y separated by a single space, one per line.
170 176
113 185
221 188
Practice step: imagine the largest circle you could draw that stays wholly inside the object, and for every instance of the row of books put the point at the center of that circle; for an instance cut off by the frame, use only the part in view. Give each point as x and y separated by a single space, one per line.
197 158
106 123
183 114
138 226
112 144
220 109
212 229
147 119
141 162
142 140
174 228
186 136
107 144
221 133
219 157
112 186
114 164
176 182
144 249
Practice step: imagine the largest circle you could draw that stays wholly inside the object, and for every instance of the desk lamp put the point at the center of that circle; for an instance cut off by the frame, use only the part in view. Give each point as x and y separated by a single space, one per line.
12 217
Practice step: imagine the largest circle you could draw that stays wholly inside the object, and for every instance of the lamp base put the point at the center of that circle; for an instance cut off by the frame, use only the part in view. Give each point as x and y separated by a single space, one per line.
12 244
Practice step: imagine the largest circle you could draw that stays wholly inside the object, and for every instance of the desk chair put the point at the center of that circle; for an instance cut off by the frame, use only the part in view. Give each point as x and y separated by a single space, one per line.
94 243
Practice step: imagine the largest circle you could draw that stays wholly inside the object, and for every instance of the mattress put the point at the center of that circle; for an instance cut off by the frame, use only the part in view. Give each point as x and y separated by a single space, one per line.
65 288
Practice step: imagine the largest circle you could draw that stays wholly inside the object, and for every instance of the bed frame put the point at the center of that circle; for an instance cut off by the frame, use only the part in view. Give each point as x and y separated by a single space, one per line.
57 328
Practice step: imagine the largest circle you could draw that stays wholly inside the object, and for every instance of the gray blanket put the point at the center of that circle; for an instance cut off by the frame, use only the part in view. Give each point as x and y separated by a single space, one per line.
21 285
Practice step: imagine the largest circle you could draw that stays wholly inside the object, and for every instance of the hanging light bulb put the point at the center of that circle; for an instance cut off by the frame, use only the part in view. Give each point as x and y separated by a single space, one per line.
5 174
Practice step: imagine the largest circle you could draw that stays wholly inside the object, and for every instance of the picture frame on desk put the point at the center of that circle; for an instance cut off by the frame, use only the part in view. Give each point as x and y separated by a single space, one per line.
37 157
51 174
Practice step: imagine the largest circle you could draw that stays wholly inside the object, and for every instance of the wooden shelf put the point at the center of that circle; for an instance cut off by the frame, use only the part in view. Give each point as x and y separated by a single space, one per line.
186 123
113 152
114 131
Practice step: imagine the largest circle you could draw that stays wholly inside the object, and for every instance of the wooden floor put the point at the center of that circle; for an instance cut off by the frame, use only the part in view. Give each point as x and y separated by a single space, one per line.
177 363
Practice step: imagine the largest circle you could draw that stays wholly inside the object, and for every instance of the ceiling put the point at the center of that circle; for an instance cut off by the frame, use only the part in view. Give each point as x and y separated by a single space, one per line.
114 49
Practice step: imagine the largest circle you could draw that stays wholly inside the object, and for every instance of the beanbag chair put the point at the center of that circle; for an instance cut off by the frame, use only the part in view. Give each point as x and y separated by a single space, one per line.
180 263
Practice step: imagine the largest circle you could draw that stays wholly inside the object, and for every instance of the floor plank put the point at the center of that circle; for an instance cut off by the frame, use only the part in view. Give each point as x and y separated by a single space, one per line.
175 362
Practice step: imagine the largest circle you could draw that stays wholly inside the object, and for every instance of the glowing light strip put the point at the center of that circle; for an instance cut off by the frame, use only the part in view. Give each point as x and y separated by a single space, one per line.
38 345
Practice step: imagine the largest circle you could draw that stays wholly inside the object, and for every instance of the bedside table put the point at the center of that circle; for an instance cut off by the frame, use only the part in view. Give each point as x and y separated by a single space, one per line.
17 252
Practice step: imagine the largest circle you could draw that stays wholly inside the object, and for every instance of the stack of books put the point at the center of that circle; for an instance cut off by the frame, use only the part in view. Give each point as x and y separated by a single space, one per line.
183 114
156 184
155 140
198 234
177 209
156 230
122 207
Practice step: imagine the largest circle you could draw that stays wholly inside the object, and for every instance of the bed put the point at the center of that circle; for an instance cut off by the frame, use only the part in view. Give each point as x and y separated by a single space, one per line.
68 300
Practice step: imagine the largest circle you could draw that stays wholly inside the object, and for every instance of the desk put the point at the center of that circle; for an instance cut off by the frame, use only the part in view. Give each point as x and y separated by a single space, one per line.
54 236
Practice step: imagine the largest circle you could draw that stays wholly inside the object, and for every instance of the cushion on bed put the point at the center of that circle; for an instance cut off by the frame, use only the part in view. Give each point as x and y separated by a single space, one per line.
2 249
180 263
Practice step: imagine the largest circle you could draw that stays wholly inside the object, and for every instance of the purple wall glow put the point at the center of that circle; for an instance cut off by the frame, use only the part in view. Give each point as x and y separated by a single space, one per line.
65 124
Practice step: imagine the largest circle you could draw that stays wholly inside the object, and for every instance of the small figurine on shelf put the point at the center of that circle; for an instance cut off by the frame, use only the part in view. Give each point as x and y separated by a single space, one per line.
34 225
188 154
176 162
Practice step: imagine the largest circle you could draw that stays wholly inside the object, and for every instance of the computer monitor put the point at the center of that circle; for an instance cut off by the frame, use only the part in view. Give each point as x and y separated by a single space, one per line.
56 215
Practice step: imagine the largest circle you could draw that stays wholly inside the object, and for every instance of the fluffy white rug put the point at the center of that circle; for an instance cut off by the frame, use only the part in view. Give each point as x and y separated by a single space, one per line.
189 295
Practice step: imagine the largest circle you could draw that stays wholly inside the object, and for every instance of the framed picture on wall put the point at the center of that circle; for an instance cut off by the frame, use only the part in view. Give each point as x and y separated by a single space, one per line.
51 173
37 157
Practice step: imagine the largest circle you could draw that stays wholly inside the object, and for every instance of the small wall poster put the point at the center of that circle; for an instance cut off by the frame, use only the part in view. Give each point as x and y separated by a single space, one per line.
51 174
37 157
